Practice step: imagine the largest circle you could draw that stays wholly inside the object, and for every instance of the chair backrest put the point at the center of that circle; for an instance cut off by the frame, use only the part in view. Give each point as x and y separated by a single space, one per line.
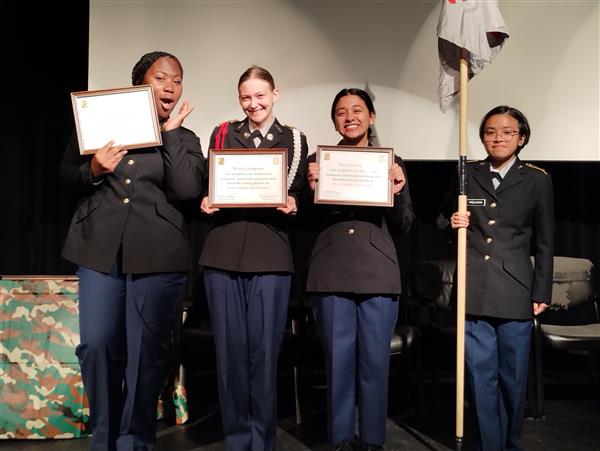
573 282
431 282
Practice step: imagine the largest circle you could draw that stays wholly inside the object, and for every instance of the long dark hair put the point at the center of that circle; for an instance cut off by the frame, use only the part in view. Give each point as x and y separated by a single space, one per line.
524 129
364 95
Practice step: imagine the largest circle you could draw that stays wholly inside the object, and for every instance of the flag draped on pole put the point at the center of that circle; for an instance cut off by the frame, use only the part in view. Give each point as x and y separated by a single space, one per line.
470 35
475 25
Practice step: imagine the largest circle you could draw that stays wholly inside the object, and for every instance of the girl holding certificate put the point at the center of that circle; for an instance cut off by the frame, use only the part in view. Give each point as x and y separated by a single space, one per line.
247 267
354 278
128 237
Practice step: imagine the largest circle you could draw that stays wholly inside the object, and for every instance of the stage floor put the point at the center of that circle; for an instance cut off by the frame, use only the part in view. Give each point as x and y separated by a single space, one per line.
569 425
571 422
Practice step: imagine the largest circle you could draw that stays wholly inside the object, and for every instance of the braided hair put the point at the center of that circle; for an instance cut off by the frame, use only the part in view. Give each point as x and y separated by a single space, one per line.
145 62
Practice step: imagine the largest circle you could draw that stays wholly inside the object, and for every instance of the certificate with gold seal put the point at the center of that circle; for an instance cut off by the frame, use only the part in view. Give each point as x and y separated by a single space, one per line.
247 178
126 116
351 175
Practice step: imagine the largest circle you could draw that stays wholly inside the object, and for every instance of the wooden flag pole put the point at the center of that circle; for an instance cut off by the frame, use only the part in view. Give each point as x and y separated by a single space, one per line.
461 257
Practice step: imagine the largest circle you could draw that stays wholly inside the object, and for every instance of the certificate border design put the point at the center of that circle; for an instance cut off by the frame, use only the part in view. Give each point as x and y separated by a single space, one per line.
150 92
319 199
212 153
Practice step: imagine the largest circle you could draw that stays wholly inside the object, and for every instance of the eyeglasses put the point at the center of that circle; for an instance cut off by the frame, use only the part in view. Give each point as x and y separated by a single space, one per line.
506 135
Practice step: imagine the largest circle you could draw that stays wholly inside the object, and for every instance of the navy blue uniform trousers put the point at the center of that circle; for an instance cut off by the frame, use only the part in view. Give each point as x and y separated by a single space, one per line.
125 322
356 333
248 312
497 355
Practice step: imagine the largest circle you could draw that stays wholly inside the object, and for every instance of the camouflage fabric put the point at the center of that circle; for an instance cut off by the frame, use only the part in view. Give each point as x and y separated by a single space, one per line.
180 400
173 402
42 393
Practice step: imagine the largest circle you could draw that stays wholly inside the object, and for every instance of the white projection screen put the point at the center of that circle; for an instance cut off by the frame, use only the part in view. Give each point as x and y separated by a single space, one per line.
548 68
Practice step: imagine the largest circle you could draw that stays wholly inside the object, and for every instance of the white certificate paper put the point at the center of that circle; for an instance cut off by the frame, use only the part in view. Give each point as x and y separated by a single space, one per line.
354 176
127 116
247 178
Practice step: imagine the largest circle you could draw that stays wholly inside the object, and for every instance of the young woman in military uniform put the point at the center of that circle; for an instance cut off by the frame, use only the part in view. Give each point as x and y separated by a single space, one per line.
511 211
247 267
128 236
354 278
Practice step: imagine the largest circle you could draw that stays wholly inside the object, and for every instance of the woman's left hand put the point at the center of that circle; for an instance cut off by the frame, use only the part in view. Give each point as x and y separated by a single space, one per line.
175 121
291 208
539 307
397 176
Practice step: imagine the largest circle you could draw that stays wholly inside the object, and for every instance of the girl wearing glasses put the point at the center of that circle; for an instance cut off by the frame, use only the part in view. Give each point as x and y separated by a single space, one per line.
510 212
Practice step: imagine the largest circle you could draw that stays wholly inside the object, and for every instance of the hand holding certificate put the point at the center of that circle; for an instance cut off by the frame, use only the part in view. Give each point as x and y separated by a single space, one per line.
126 116
354 176
247 178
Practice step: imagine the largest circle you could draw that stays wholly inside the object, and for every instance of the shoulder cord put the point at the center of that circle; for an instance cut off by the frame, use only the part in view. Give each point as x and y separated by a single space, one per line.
220 138
296 158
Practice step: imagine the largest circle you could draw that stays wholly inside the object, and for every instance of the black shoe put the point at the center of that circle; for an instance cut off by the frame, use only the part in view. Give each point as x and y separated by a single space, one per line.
370 447
345 446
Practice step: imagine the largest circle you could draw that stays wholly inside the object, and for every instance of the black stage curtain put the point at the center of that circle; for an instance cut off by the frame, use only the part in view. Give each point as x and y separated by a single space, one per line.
577 232
48 49
45 57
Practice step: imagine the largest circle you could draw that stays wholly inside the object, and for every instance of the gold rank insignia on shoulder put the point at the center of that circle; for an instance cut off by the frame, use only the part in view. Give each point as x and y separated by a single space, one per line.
533 166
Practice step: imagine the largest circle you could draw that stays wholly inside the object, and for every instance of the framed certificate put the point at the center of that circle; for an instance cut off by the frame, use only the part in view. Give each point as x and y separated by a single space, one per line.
247 178
126 115
354 176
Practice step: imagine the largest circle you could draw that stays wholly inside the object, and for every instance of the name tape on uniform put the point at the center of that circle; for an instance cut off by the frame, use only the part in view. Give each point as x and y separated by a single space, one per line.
476 202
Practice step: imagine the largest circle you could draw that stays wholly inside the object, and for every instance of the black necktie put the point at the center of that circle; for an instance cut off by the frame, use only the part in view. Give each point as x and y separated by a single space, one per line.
498 177
256 134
